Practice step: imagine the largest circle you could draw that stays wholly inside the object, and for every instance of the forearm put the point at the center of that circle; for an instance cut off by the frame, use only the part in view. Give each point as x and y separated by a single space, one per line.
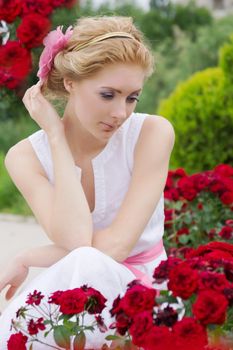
71 221
43 256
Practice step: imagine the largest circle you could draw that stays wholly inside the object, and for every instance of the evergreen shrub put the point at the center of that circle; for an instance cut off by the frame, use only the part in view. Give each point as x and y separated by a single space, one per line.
201 111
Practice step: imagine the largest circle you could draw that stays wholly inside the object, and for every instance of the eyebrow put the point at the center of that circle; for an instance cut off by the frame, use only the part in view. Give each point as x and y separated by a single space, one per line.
119 91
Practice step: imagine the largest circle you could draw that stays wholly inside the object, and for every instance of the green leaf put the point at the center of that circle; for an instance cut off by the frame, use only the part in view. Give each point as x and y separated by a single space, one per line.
112 337
184 239
79 341
62 337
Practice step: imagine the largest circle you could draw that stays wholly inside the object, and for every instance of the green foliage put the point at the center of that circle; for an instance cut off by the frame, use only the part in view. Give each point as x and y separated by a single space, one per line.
180 57
10 198
226 60
202 114
191 17
12 131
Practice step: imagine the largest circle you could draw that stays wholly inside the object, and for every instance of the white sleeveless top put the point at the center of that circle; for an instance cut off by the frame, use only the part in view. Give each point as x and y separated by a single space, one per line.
112 174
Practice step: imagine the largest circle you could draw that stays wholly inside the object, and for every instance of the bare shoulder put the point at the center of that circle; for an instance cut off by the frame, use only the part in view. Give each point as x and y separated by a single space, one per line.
157 136
22 156
158 124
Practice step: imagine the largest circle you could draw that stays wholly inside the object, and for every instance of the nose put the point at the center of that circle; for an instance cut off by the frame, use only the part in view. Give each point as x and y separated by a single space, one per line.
119 111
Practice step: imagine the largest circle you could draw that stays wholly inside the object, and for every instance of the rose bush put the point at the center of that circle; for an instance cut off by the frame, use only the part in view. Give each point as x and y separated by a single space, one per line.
194 312
198 208
63 314
25 23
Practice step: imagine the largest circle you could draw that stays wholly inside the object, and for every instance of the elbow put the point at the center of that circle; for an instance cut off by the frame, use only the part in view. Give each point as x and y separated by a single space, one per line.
116 252
70 240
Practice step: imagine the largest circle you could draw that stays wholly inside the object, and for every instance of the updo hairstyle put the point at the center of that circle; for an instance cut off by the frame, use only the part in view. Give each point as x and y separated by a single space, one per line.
83 63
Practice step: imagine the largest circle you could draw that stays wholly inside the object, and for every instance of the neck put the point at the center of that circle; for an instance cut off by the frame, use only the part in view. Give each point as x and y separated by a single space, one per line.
83 145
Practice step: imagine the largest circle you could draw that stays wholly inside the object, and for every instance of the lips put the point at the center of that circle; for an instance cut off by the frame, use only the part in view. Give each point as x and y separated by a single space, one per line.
112 126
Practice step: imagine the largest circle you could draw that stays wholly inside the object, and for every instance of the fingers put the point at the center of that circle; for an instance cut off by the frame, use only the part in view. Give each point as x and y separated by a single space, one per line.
36 89
11 292
32 91
32 96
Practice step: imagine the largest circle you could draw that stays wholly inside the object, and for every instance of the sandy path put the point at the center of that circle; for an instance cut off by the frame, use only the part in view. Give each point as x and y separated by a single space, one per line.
17 234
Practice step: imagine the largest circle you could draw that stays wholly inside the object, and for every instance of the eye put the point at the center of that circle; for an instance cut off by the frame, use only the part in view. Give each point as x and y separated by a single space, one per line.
132 99
106 95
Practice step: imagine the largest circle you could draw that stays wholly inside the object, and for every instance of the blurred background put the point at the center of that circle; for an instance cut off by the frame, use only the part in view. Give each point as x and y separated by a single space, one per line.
191 86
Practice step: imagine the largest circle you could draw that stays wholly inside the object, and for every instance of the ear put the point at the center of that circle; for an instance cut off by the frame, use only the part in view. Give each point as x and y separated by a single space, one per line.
68 84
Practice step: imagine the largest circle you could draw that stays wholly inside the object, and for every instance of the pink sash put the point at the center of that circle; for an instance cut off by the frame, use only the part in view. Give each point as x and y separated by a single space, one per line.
142 258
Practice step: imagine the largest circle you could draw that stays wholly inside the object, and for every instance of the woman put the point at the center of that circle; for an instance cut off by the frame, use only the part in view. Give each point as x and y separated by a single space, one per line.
95 177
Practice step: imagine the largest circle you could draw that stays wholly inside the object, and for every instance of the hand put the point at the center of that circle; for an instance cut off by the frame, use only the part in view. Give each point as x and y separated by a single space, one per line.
41 110
14 275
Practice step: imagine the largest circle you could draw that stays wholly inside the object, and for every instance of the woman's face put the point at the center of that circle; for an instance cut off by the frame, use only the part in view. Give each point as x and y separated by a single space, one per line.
105 101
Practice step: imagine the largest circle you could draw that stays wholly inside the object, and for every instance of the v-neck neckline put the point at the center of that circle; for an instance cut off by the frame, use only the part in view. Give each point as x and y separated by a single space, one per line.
98 173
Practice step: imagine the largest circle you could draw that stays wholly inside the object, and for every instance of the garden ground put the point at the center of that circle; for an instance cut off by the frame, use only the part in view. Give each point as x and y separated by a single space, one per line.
18 233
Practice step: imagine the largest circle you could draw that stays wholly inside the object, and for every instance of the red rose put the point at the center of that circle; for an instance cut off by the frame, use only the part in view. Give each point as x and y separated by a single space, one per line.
96 301
57 3
216 184
122 324
116 309
228 270
169 213
224 170
211 233
200 181
186 187
213 250
142 323
227 197
159 338
55 297
226 232
172 194
73 301
34 298
34 327
189 335
137 299
17 341
212 281
229 222
33 29
42 7
15 64
161 272
210 307
175 194
228 183
70 3
9 10
180 172
166 316
169 181
182 231
183 280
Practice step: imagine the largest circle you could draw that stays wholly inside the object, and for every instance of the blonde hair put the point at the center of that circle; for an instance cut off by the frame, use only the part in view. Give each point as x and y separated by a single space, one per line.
78 64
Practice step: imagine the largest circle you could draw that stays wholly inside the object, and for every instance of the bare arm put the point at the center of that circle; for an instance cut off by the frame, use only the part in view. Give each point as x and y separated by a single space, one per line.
151 162
62 209
43 256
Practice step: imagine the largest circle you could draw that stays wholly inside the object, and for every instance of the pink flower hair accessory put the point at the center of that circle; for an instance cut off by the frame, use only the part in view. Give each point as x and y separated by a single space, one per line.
54 42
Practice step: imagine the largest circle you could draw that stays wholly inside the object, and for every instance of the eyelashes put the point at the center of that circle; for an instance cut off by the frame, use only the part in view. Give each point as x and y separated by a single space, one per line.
108 96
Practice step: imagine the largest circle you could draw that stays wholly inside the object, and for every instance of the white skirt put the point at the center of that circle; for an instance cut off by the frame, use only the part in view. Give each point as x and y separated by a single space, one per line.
84 265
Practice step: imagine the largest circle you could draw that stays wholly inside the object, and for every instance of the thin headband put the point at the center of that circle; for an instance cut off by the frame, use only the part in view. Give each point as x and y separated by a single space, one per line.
103 37
56 41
